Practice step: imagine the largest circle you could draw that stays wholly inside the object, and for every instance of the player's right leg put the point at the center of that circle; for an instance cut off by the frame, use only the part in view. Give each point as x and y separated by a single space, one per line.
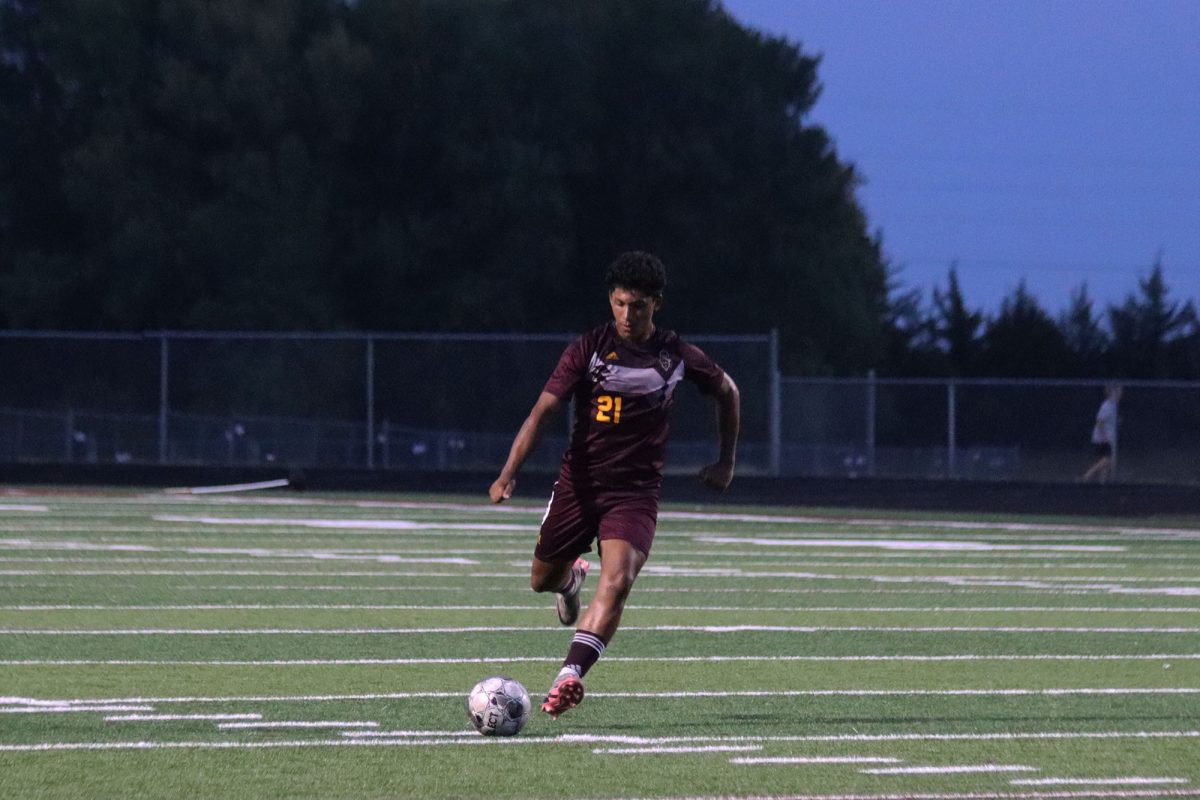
567 602
567 530
566 580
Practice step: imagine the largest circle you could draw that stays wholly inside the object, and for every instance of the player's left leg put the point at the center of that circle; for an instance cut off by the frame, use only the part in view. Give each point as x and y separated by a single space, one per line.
620 563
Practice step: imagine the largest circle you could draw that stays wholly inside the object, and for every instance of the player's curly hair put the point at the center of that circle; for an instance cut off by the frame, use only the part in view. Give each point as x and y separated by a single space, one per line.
641 272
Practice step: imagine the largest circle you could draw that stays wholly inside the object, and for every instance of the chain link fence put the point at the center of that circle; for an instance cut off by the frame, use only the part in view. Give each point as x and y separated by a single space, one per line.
454 401
1010 429
347 400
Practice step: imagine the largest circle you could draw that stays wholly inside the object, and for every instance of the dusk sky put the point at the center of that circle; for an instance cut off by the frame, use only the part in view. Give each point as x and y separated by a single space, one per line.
1052 140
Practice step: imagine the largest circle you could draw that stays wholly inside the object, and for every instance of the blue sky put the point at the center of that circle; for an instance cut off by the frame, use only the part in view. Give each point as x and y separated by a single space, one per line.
1052 140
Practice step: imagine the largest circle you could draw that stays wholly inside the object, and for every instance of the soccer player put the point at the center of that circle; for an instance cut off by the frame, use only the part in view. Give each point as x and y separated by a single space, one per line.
622 377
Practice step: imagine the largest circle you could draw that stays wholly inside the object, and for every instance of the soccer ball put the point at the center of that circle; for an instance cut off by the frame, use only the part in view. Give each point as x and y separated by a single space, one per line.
498 706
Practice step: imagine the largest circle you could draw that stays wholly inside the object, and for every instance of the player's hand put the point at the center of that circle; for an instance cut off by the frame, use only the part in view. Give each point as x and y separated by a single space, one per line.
502 489
717 476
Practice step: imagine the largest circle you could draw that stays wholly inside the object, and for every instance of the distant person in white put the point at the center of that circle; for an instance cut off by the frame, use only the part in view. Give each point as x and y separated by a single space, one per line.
1104 437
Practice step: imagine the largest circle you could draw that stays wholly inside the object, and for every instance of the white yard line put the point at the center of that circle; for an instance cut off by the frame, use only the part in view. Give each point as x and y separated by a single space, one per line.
991 530
350 587
674 564
73 709
92 522
1124 781
292 607
409 734
819 561
815 760
129 573
667 571
219 745
456 738
351 524
923 524
302 559
895 551
179 717
679 749
139 562
251 553
890 556
1055 583
1169 630
949 769
910 544
538 605
1051 692
296 724
905 692
302 698
36 702
584 738
536 510
318 662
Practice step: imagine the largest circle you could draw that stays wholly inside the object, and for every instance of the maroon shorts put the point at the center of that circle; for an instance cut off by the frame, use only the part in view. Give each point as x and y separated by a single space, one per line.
575 519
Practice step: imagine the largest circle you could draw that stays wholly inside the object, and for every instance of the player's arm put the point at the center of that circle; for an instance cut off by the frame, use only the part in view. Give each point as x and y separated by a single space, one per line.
544 411
729 420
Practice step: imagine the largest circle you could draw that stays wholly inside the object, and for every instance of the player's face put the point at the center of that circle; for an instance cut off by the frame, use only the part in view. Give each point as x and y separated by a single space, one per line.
633 313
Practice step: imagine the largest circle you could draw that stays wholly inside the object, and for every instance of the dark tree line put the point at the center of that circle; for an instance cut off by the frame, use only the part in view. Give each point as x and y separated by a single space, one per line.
1149 335
471 165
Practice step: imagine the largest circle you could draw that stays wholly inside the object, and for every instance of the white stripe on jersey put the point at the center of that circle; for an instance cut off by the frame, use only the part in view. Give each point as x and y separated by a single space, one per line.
633 380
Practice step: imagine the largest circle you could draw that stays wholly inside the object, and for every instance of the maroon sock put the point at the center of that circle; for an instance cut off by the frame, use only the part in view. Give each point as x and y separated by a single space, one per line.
586 649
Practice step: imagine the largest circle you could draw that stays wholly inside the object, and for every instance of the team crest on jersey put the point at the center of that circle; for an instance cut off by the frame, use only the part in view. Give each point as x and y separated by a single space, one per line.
612 356
664 360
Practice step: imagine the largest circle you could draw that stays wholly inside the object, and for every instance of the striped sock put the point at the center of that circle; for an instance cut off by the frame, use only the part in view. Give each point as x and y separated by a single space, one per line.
586 649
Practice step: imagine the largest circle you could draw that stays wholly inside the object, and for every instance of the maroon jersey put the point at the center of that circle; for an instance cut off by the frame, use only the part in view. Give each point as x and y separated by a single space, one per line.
623 393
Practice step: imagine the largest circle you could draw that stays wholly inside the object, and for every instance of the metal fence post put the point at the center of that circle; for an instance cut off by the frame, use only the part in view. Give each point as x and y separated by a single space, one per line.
370 402
69 434
775 409
870 422
951 430
163 396
1112 473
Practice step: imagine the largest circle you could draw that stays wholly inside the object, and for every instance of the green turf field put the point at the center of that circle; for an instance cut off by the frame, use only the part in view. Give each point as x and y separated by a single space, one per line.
299 645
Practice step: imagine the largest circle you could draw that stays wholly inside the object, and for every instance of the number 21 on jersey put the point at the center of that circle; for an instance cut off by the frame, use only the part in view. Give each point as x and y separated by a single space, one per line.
608 408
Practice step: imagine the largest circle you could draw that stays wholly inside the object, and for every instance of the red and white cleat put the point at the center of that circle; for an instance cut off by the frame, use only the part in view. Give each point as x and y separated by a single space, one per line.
565 694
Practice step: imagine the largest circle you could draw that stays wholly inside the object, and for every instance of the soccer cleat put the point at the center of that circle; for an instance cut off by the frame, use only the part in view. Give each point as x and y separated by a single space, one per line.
568 602
565 694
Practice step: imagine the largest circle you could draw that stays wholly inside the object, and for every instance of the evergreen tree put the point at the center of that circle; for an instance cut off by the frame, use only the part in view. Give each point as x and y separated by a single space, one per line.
957 327
1084 335
1151 332
1022 340
911 346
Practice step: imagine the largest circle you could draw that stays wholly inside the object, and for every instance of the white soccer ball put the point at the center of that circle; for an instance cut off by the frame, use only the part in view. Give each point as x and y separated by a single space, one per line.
498 706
